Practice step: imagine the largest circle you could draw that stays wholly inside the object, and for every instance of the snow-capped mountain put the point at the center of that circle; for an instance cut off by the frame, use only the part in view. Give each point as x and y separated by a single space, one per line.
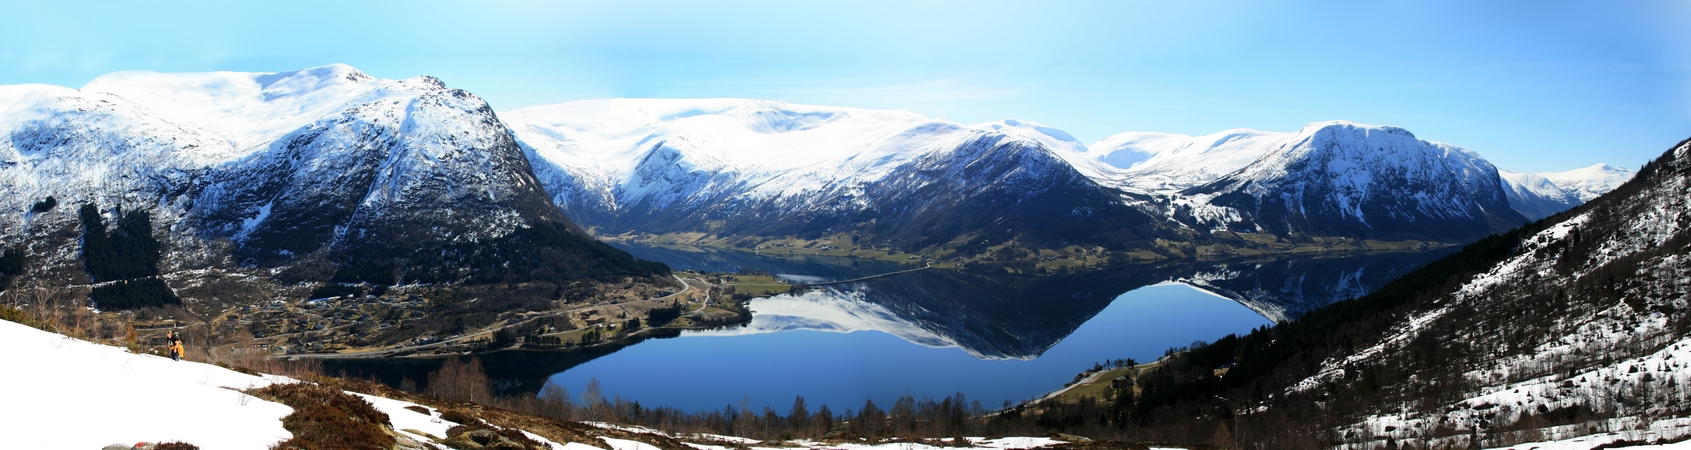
323 161
750 167
1539 195
79 147
1346 179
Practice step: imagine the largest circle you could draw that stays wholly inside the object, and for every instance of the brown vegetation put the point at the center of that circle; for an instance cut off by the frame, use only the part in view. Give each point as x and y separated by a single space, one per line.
326 418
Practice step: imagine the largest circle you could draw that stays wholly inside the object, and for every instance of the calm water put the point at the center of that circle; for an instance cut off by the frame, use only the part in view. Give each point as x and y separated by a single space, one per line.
708 370
991 336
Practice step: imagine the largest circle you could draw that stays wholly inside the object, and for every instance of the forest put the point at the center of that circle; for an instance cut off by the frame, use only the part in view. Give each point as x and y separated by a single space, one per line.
128 251
127 256
542 252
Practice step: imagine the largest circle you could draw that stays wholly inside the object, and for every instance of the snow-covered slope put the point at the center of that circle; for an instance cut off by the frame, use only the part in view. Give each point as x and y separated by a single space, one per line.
80 147
1345 179
1582 327
751 167
69 393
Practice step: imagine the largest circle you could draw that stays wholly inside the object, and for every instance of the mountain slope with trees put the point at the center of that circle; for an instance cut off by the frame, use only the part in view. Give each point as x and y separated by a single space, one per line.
1570 326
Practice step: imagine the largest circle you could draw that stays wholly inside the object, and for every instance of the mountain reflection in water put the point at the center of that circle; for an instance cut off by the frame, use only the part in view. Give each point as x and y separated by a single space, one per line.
987 313
994 315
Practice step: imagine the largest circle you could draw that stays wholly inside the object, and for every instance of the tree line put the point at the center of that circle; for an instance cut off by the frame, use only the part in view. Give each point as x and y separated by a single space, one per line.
908 418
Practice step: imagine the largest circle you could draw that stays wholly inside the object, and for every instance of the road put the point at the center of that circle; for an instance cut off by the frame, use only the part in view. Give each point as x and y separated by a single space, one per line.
871 277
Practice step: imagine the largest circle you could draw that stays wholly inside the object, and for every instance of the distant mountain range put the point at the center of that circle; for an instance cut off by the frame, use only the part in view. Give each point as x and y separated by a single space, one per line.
331 165
736 167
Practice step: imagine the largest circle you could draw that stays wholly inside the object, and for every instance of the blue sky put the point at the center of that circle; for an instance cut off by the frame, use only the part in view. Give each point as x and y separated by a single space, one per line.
1532 85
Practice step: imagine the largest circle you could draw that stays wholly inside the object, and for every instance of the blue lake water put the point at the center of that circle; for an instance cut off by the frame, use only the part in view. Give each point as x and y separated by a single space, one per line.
987 333
709 370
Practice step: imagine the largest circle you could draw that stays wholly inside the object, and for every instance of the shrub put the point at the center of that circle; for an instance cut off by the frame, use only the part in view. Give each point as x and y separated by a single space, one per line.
11 262
11 314
45 205
328 418
460 417
174 445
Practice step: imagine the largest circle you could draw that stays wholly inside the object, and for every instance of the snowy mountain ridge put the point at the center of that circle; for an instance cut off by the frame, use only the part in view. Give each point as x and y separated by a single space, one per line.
654 165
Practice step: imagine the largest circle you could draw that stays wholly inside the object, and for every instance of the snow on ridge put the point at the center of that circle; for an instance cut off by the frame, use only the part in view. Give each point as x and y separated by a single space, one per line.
741 134
1166 162
250 109
626 151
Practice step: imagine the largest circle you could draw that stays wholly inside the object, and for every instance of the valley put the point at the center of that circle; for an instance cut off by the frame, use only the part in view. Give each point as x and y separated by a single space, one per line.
384 229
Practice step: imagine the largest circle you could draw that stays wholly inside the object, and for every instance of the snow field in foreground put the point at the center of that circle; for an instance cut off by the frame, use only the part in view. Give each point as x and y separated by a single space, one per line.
69 393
